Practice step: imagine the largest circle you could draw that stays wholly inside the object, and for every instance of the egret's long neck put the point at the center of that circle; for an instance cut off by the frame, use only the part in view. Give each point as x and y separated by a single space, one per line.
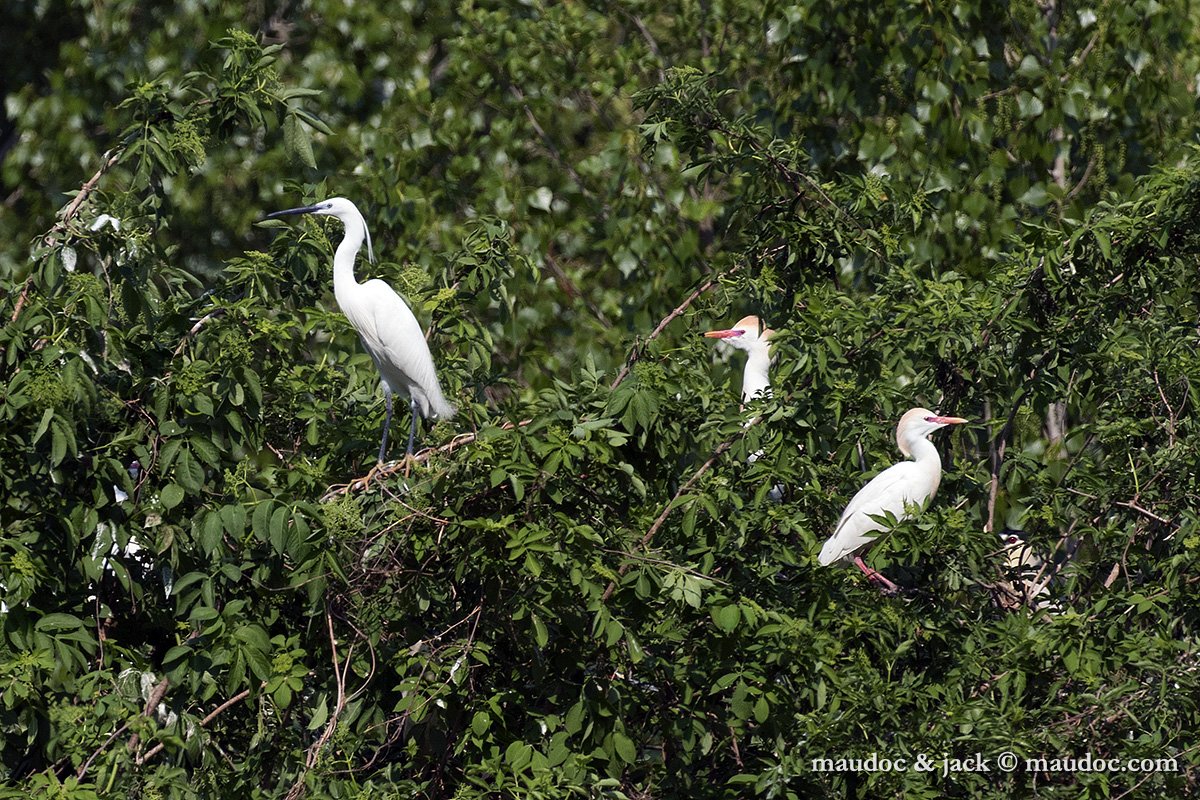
756 379
923 452
928 461
343 259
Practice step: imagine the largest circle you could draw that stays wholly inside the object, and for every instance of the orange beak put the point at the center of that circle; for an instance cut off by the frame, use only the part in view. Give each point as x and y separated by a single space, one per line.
729 334
948 420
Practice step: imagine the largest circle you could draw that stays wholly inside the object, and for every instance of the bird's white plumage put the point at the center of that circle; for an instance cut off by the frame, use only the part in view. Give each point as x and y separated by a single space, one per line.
890 492
894 491
749 335
386 325
393 337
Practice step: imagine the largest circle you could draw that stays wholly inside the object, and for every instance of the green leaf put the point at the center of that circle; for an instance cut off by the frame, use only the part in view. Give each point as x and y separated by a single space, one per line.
320 714
58 622
188 472
726 617
170 496
296 142
540 634
47 415
624 747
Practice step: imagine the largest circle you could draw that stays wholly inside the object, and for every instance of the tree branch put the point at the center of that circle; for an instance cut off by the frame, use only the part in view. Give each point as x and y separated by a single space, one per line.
665 321
666 512
230 703
110 158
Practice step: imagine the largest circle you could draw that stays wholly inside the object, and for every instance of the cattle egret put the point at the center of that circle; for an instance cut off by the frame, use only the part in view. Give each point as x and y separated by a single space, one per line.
1028 575
385 323
749 335
893 491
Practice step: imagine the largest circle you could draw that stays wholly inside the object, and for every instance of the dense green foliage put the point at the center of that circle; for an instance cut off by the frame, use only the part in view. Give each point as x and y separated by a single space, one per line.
581 588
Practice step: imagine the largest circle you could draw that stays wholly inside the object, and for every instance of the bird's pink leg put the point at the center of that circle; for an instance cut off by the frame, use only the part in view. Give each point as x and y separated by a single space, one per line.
876 577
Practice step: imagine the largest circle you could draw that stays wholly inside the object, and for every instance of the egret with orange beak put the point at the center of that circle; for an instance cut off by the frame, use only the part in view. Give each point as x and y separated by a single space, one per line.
893 491
749 335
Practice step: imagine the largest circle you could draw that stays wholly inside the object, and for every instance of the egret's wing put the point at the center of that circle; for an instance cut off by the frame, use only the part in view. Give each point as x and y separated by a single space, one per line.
395 340
886 492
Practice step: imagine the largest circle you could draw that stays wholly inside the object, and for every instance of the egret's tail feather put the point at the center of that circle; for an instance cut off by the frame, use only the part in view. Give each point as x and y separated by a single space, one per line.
438 406
831 551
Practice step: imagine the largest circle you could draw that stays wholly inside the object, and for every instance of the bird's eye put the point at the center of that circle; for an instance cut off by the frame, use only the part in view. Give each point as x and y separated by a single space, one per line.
1013 540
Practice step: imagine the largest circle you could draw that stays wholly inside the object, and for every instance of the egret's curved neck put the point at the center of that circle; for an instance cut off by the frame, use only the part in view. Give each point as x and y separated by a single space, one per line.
756 379
343 259
923 452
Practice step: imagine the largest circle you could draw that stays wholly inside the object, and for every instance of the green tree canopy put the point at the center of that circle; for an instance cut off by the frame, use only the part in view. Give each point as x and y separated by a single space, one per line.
582 587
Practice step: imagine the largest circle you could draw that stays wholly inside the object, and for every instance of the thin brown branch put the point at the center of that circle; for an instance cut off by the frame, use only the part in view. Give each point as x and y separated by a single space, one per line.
1135 507
670 506
152 702
571 290
665 321
1083 179
110 158
200 323
1172 418
650 42
96 753
996 451
339 675
387 470
230 703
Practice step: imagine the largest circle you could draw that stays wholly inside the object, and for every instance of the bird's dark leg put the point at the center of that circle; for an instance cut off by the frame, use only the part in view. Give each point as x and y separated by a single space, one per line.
387 421
876 577
412 429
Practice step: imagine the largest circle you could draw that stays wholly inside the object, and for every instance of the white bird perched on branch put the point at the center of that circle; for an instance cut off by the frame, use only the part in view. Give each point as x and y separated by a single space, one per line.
892 491
749 335
385 323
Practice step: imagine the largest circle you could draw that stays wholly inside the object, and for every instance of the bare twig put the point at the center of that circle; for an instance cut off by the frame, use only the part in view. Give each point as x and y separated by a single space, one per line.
997 447
666 512
230 703
650 42
665 321
1172 418
1140 510
571 290
1083 179
387 470
200 323
83 768
152 702
110 158
339 675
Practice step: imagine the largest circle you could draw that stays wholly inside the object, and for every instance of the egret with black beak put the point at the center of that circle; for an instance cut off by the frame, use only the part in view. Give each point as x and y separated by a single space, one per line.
385 323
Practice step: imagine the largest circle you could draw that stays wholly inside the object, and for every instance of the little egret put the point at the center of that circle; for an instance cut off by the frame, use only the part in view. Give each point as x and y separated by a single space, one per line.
385 323
893 491
749 335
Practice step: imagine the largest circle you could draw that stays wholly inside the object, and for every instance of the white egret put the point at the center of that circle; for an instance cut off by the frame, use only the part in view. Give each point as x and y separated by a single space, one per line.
893 491
385 323
749 335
